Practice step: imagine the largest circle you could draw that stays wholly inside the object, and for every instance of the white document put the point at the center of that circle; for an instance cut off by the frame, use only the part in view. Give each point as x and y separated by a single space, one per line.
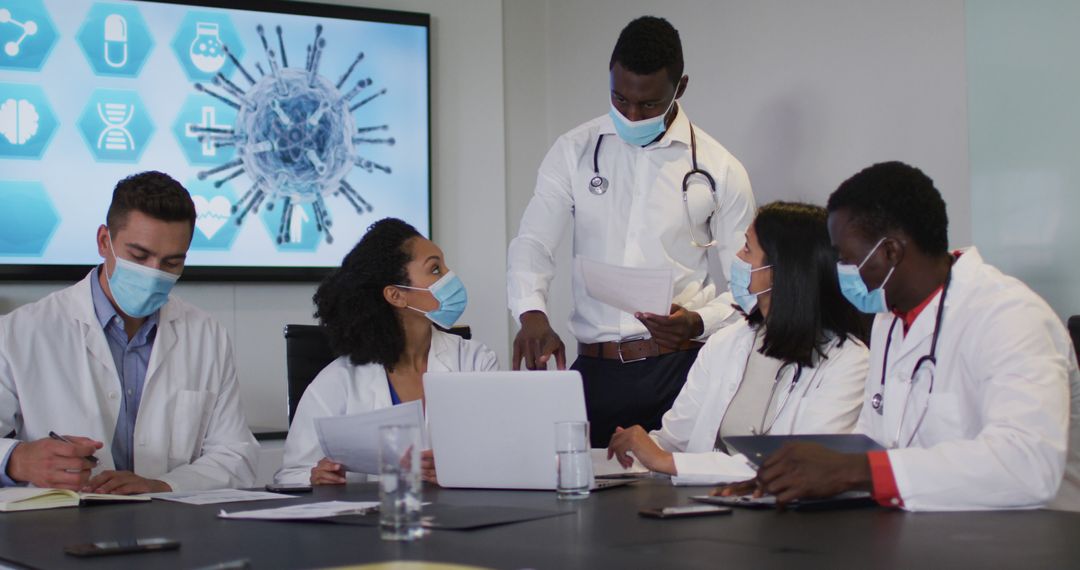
353 441
306 511
217 496
629 289
727 469
604 467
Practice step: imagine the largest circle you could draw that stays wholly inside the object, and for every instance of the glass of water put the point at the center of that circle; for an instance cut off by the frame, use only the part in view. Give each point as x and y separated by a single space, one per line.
575 474
399 482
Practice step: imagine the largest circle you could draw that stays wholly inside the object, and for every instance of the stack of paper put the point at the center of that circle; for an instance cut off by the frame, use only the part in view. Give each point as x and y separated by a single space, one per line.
306 511
217 496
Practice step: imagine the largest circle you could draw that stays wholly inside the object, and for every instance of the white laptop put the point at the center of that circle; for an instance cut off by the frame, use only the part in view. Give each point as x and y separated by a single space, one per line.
496 430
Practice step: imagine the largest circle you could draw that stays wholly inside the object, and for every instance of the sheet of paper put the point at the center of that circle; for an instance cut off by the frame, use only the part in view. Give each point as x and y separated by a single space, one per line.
306 511
604 467
726 469
353 441
217 496
629 289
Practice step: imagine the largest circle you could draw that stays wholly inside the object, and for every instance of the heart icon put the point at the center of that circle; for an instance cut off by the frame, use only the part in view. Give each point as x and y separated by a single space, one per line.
211 215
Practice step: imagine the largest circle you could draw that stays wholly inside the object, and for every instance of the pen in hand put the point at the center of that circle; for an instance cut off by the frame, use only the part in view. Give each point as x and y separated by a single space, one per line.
58 437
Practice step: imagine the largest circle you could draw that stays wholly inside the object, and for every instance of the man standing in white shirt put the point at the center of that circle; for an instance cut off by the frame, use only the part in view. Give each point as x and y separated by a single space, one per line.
644 188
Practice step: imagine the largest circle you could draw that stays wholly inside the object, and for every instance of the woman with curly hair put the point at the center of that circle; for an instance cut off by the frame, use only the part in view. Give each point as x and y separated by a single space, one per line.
378 309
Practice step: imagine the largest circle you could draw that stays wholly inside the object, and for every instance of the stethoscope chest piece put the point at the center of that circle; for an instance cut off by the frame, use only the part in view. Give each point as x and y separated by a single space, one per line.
875 402
598 185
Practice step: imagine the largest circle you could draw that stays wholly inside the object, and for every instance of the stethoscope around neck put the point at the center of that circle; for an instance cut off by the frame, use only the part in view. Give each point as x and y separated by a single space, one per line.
598 185
927 362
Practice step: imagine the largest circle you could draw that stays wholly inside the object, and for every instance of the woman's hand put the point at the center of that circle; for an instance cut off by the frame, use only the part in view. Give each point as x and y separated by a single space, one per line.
327 472
636 441
427 466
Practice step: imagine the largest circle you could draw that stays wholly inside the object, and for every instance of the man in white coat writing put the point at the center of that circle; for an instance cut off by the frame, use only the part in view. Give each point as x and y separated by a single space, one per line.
111 385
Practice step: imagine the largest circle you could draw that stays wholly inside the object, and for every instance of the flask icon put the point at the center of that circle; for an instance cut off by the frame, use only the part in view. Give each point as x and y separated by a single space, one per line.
206 51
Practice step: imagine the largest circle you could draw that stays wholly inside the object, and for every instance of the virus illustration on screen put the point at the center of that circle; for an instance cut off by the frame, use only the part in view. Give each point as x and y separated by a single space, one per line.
295 135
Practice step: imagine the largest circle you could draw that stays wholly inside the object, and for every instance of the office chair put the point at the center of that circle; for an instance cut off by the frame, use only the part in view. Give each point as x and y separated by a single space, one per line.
1074 330
307 352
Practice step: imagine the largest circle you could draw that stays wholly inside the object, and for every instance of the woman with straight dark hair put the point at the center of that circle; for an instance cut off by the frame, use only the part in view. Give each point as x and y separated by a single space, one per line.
794 365
379 309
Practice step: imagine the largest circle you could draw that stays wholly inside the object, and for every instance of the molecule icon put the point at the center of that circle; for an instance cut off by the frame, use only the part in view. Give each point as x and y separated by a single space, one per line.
295 137
29 28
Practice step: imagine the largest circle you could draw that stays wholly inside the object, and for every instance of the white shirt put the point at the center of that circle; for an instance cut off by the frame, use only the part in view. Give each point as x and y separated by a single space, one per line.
825 399
343 388
57 373
997 433
640 221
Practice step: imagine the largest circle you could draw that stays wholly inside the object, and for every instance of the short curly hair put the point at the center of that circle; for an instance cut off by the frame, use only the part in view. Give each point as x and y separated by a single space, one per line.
153 193
350 303
647 45
895 196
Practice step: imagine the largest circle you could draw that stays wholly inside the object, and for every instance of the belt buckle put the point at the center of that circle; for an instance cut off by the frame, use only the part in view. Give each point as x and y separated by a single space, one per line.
628 340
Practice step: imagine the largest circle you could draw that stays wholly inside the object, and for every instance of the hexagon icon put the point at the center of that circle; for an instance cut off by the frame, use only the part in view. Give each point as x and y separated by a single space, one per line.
27 34
27 220
116 125
203 116
303 235
115 40
215 227
200 43
27 121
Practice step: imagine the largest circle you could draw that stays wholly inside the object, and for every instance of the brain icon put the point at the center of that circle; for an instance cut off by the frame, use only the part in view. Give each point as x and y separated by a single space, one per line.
18 121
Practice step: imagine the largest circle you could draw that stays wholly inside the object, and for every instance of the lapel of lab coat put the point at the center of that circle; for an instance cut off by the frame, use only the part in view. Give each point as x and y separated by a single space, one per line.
164 341
441 353
81 302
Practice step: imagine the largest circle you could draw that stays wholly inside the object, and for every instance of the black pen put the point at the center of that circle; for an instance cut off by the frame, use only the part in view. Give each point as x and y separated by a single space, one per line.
58 437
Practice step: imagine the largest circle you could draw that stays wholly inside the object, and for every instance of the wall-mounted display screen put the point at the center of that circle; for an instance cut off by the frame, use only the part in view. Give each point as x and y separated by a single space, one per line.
293 125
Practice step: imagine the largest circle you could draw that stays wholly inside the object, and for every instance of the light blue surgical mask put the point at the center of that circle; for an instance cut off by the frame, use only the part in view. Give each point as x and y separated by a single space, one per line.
854 288
741 272
641 132
138 290
449 291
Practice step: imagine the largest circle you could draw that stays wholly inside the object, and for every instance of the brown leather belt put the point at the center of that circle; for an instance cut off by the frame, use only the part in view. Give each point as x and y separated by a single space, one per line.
632 350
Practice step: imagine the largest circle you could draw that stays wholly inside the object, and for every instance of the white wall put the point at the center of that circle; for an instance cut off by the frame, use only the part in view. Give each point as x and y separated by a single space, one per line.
468 198
803 93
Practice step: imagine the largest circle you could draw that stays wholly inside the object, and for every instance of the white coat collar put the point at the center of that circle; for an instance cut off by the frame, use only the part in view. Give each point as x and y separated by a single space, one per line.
964 272
80 299
441 358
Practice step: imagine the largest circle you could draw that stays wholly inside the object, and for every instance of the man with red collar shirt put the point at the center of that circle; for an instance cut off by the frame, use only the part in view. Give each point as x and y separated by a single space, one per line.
976 397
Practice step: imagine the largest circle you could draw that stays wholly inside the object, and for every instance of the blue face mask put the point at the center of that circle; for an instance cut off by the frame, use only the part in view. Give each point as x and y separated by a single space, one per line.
138 290
641 132
854 288
741 272
449 291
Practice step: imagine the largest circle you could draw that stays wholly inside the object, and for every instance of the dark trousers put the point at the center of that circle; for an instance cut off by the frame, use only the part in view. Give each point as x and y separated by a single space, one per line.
636 393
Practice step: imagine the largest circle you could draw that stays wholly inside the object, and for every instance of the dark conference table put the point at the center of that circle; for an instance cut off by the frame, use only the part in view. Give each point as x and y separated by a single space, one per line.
603 531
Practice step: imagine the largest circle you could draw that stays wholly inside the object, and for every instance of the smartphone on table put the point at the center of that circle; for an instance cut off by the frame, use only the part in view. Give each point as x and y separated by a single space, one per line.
288 488
132 546
685 511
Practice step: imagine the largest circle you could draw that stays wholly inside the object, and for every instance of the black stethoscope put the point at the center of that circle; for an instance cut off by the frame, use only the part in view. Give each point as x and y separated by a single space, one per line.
598 185
762 429
928 361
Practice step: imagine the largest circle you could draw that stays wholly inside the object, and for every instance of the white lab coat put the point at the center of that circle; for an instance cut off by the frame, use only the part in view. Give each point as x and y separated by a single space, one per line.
57 373
826 399
343 388
640 221
997 432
